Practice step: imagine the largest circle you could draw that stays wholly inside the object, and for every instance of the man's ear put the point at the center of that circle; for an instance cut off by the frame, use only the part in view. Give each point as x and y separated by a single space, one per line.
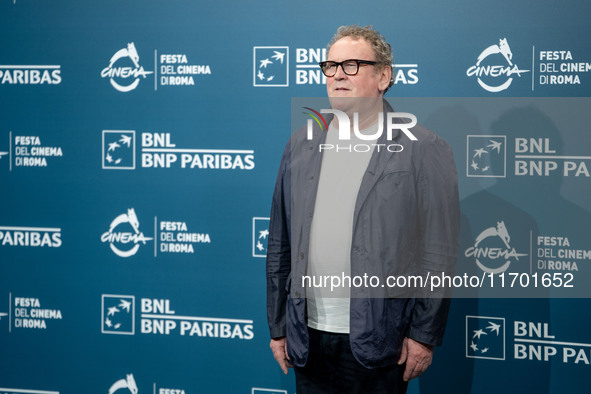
385 77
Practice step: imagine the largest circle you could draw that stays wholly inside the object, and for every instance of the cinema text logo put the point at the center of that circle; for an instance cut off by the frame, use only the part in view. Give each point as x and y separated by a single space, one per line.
49 237
127 385
491 71
271 67
126 75
125 243
159 151
344 133
492 251
532 341
158 318
30 74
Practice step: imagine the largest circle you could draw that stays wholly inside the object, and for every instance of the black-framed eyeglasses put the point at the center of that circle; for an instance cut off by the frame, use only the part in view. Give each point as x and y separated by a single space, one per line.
350 66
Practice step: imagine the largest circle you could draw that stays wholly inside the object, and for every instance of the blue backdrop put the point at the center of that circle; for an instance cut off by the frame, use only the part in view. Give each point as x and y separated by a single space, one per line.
139 144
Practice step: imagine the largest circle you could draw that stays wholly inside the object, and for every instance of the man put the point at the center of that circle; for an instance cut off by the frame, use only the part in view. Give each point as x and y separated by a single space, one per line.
350 213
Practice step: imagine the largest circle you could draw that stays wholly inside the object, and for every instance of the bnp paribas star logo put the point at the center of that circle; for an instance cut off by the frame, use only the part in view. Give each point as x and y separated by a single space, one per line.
485 337
486 156
118 314
270 66
260 236
118 150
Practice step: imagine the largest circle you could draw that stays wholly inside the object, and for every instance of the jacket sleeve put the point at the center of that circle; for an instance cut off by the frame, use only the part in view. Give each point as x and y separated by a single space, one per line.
439 229
279 250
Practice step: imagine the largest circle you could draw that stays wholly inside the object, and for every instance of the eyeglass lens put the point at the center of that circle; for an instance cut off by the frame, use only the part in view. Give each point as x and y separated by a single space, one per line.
350 68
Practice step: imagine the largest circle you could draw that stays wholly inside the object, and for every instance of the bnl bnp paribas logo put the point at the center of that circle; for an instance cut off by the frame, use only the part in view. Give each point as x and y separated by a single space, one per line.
156 317
157 150
271 67
486 156
487 337
124 70
494 69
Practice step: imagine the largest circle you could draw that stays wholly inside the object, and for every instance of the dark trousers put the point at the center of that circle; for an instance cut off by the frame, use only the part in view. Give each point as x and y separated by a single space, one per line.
332 368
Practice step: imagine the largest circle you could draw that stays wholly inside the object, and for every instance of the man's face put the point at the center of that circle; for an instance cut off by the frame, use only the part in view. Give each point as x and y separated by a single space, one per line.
370 81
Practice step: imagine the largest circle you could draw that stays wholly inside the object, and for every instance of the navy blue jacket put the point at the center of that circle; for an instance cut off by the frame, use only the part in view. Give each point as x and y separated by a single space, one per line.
406 222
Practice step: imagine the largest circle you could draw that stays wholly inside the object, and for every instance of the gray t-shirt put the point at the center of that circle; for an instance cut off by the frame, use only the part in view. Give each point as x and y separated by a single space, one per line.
331 232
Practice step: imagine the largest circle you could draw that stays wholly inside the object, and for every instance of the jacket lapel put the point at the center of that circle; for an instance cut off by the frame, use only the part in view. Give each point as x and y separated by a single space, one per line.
377 164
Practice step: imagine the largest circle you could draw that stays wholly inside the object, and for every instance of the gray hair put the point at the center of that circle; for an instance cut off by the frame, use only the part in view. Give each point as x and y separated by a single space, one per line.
381 48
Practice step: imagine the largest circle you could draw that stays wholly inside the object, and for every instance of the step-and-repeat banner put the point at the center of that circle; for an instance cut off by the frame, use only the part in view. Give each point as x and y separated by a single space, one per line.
139 145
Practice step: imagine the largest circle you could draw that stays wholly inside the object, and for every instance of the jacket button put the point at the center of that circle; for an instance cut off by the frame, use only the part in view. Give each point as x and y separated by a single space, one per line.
301 255
297 294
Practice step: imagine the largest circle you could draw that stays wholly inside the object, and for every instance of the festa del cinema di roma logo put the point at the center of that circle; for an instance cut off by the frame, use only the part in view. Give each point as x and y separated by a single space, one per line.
120 72
119 239
486 250
495 72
